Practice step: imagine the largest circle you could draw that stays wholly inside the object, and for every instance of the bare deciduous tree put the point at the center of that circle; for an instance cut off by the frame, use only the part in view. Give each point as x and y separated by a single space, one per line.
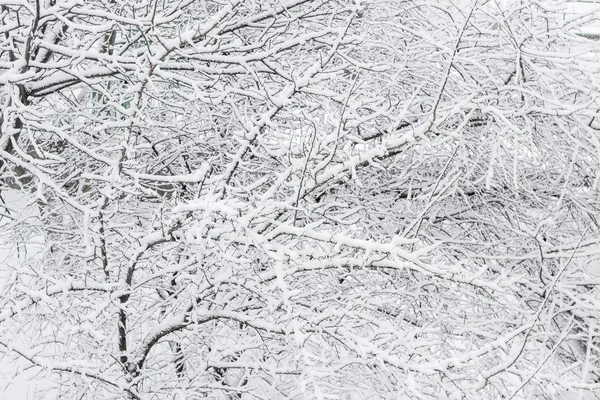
299 199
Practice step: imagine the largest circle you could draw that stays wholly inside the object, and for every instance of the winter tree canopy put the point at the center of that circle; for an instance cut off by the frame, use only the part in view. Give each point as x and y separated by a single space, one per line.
299 199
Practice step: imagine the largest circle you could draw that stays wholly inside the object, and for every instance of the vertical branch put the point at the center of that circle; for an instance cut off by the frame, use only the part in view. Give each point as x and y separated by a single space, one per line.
312 145
438 99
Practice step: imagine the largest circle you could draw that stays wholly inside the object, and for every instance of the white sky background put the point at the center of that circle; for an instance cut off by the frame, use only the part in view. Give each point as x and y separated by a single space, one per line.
586 7
22 386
